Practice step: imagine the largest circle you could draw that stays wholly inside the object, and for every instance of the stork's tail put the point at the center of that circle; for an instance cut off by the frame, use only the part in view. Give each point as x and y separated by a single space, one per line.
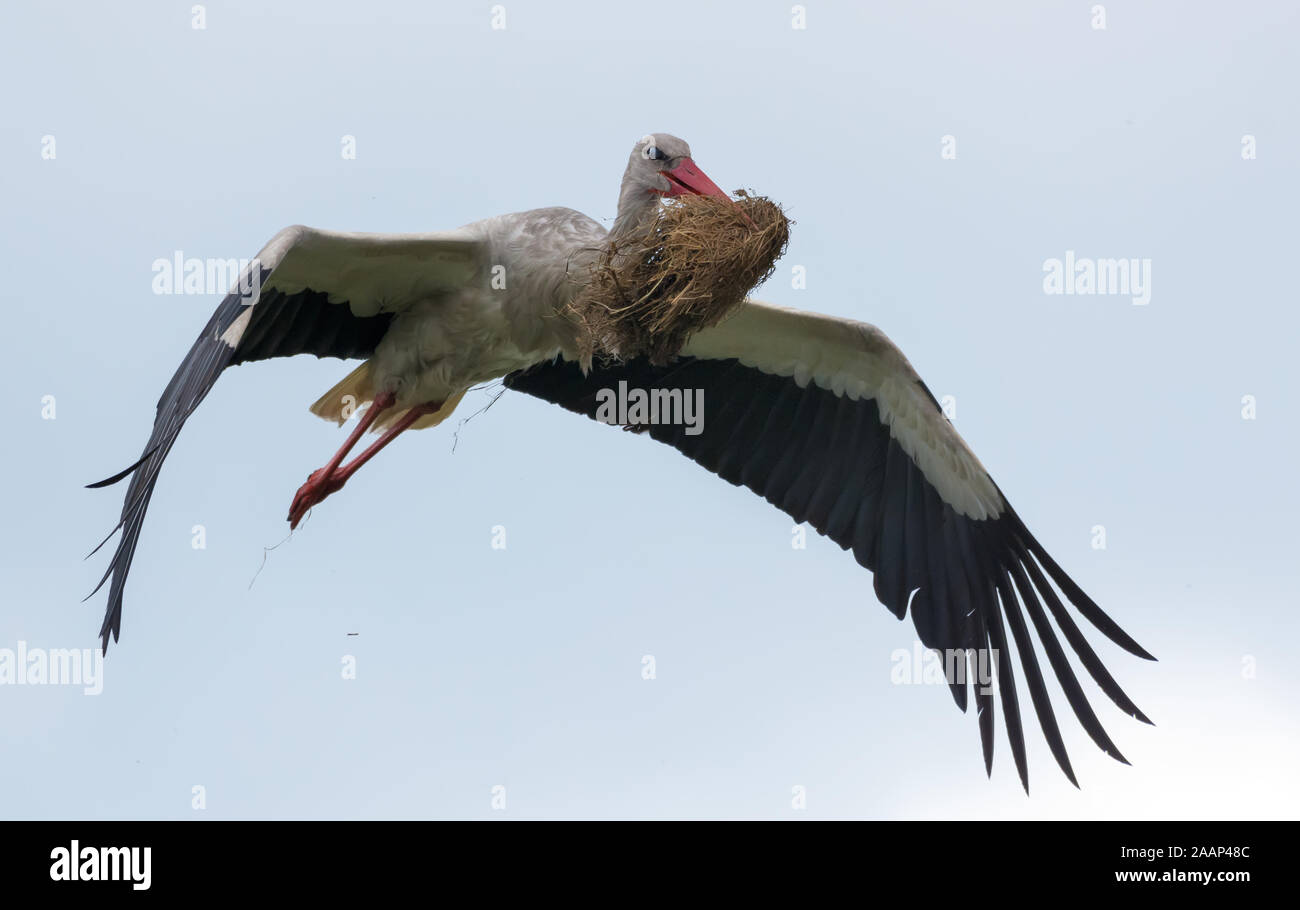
347 397
357 390
428 420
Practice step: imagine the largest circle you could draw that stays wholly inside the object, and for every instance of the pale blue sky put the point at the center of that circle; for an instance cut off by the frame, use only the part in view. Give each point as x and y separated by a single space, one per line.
521 667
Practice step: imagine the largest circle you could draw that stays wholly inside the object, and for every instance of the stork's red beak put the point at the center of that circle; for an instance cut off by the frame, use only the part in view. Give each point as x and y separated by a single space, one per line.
686 177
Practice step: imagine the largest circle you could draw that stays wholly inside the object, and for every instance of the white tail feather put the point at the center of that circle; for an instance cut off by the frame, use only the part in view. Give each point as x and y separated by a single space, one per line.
355 392
347 397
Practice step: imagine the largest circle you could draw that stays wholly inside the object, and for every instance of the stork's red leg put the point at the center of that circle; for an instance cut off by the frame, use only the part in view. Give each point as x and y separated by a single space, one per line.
410 417
332 477
317 486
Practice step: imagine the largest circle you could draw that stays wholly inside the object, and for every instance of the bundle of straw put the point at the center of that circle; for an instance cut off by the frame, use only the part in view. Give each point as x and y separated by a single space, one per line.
692 266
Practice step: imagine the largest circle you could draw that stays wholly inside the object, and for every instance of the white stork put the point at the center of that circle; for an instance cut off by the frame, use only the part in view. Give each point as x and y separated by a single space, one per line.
824 417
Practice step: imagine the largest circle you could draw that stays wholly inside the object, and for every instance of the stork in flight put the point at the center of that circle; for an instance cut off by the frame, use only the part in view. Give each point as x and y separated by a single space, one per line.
822 416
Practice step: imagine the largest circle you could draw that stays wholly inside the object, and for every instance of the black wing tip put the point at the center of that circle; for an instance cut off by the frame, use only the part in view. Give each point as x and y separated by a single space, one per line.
1063 762
1022 770
99 546
986 738
958 691
109 481
1120 637
1076 595
1111 630
109 628
124 473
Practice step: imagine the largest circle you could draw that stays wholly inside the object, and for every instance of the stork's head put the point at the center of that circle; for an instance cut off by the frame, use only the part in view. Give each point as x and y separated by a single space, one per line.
660 165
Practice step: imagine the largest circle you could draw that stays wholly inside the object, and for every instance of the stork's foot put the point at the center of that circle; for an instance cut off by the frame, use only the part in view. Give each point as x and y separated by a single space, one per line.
330 479
319 485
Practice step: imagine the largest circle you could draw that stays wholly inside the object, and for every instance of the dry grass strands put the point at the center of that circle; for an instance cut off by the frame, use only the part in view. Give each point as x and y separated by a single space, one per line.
696 262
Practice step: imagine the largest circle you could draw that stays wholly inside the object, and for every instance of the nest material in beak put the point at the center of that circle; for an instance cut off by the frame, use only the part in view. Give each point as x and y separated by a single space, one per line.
691 267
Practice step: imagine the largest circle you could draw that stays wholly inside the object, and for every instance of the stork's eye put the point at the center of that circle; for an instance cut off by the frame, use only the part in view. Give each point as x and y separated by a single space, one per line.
652 152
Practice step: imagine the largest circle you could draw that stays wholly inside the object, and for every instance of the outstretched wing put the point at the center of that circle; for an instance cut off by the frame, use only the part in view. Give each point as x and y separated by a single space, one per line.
827 420
308 292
